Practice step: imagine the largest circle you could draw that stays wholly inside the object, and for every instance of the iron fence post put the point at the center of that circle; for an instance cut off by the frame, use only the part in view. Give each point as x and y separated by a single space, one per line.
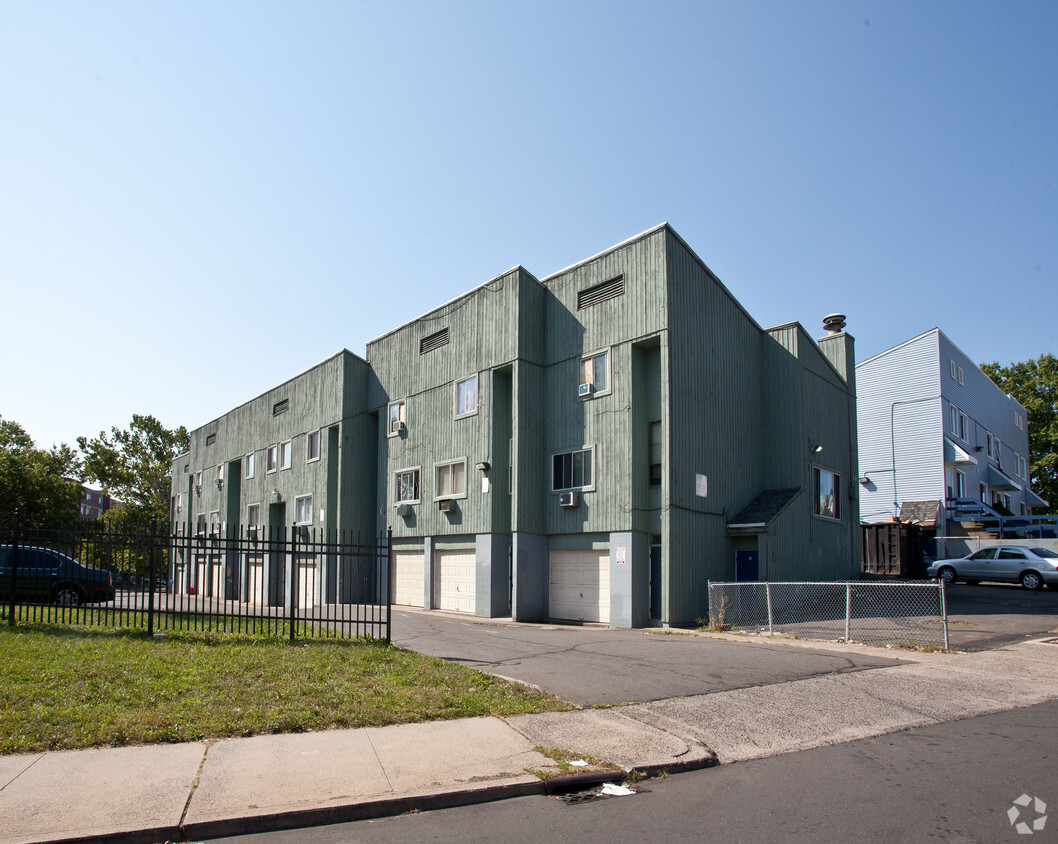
293 585
944 613
848 612
389 582
767 591
150 577
14 572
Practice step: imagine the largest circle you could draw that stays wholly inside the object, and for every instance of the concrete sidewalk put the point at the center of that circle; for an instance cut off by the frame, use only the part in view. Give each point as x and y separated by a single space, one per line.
232 786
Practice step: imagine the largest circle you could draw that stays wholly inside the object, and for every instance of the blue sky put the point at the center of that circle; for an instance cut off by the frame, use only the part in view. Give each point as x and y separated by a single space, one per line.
199 200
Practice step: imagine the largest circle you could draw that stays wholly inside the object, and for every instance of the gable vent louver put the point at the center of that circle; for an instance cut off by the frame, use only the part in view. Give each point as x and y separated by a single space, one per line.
433 341
600 293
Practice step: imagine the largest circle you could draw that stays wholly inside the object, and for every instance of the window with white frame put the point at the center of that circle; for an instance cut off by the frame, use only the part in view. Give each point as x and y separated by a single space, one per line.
406 486
312 446
303 510
999 453
960 376
272 458
198 481
179 502
214 523
989 444
572 470
960 484
220 474
958 422
253 519
284 455
827 501
397 420
467 396
450 479
248 465
200 524
594 373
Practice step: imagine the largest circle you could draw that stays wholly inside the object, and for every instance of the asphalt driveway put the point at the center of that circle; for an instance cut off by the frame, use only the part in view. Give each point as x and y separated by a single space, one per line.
592 666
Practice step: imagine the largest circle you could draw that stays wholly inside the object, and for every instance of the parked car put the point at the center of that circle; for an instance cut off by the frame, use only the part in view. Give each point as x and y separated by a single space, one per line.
47 576
1031 567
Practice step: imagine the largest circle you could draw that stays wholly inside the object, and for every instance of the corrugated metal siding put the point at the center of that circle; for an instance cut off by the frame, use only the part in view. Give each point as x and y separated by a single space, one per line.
604 422
715 425
317 399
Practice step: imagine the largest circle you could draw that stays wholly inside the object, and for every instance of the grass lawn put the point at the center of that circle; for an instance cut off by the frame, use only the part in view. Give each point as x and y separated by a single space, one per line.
62 689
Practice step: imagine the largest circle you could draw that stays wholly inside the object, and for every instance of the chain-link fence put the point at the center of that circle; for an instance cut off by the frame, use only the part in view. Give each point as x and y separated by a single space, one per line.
907 613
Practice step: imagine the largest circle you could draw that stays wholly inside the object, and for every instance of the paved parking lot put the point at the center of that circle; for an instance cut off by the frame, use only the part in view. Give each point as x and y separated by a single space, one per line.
593 666
991 615
590 666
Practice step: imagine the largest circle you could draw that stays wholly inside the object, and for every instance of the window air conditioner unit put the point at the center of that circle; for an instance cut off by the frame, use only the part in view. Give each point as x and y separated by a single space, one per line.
445 505
586 389
396 427
404 510
568 499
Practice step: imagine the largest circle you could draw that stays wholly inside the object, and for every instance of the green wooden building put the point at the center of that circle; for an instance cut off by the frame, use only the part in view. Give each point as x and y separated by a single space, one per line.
593 446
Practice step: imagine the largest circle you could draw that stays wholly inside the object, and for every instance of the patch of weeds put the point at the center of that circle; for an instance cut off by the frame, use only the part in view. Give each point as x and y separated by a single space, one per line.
563 758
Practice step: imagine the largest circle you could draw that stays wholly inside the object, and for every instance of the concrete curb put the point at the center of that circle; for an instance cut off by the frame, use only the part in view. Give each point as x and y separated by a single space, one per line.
388 807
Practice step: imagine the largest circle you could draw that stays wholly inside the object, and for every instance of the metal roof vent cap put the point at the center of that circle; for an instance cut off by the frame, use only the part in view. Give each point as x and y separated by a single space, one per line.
834 323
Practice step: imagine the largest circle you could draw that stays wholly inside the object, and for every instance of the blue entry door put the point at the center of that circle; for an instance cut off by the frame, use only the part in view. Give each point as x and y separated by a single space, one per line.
746 566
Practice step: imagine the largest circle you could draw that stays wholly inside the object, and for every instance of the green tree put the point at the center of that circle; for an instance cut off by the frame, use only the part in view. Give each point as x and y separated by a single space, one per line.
1034 383
133 466
35 481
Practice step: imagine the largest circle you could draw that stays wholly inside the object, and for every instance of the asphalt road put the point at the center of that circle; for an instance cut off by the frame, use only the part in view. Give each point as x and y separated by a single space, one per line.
590 666
950 782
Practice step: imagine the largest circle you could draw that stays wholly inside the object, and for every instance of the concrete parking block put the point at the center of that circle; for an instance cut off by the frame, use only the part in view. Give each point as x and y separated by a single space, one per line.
103 791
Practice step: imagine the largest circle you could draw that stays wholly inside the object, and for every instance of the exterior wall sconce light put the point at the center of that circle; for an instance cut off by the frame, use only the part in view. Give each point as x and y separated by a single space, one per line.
816 449
276 497
484 465
864 480
220 483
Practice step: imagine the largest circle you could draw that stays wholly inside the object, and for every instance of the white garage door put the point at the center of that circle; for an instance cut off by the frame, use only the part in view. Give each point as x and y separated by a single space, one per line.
306 582
255 586
580 585
408 575
455 575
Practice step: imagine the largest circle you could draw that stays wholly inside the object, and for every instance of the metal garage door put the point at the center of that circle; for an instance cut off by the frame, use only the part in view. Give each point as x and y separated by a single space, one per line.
306 582
255 576
580 585
217 574
455 575
408 576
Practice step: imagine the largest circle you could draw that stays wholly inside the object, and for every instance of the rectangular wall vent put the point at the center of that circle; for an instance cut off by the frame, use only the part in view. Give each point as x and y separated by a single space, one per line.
600 293
211 439
434 341
280 407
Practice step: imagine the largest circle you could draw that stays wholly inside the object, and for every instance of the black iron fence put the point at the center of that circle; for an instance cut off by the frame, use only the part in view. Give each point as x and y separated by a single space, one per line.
290 581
